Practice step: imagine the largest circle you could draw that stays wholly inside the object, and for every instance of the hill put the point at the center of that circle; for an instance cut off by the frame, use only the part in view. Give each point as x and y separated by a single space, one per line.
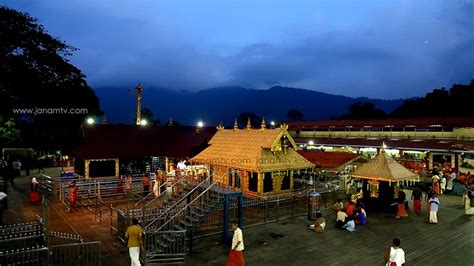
226 103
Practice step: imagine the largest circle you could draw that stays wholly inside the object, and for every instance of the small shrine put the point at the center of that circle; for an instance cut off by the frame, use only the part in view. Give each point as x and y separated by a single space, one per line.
382 178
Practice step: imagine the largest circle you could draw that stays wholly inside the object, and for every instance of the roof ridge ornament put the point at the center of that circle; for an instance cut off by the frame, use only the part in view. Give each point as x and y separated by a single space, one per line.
249 125
236 126
264 125
220 126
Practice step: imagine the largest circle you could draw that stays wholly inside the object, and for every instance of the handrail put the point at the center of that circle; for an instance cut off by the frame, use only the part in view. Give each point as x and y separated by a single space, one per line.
159 189
181 199
189 204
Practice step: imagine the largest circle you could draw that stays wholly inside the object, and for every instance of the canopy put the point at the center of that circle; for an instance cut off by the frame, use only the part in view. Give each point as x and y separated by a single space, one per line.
384 168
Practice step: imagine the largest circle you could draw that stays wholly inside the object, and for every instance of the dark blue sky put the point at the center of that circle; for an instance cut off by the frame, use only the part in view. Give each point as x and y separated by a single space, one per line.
382 49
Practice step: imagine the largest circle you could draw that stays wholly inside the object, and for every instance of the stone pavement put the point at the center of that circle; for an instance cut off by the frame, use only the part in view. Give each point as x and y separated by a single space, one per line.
288 242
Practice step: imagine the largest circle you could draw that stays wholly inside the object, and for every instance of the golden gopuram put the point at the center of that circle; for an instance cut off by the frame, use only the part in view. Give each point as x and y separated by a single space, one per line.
258 162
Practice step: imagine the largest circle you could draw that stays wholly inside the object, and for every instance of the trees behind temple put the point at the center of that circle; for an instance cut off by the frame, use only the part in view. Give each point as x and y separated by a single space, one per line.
37 76
455 102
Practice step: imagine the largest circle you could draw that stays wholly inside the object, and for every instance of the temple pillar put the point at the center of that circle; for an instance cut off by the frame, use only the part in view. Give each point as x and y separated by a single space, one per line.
291 179
260 183
277 181
86 168
456 163
117 167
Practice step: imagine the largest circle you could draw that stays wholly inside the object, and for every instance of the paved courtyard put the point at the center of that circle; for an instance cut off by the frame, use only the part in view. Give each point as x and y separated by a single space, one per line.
288 242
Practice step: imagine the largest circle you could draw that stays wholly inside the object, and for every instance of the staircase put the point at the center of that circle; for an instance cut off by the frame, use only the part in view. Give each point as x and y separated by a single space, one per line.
165 236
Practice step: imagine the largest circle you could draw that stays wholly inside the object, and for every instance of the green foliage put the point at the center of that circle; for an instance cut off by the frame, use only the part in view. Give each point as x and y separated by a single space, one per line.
295 115
360 110
36 74
9 133
440 102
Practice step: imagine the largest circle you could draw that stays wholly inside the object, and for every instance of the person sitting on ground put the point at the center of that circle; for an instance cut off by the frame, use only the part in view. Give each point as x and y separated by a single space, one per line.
350 208
337 205
341 218
361 216
349 225
319 223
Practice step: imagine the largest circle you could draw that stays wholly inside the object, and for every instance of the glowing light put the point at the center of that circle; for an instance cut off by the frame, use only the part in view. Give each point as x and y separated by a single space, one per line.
90 121
272 123
143 122
200 124
311 142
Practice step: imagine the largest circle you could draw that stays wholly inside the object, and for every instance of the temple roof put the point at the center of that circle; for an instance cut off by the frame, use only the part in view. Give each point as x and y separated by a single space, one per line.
253 149
383 168
128 141
393 122
329 160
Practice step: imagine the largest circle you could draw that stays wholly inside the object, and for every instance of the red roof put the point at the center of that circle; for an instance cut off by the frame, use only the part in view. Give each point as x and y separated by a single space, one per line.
426 145
128 141
445 122
328 160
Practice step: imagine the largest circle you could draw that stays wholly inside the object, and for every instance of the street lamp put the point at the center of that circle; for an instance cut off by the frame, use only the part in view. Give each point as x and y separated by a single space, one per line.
143 122
90 121
200 124
311 142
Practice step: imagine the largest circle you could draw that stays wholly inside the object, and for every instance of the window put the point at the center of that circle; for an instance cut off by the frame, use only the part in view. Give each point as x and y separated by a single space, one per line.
253 182
285 184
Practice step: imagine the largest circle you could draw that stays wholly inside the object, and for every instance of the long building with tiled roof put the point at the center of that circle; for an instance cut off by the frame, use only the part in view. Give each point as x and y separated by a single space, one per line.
431 140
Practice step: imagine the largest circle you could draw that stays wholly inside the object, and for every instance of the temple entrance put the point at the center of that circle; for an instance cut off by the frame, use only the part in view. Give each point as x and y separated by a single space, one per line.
267 182
253 182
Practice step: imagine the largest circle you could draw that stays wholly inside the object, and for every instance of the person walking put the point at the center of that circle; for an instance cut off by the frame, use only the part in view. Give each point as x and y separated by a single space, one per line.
134 242
434 207
128 183
395 255
72 194
416 196
146 185
3 205
401 212
236 254
16 167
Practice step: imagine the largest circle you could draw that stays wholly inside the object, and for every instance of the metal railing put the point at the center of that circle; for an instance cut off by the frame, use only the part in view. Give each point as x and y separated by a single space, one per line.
164 247
23 235
77 254
25 256
177 204
196 210
258 211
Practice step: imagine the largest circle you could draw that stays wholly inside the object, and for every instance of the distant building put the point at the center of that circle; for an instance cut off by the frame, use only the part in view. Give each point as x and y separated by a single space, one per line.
112 150
417 143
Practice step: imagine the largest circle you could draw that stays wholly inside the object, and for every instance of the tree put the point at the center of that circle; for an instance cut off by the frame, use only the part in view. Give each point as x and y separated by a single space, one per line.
37 76
295 115
147 115
255 120
456 101
360 110
9 133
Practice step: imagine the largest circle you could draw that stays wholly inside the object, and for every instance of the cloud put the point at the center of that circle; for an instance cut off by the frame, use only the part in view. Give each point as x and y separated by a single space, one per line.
383 49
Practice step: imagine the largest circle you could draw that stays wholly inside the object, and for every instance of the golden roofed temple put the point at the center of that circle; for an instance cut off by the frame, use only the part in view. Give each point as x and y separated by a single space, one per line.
258 161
